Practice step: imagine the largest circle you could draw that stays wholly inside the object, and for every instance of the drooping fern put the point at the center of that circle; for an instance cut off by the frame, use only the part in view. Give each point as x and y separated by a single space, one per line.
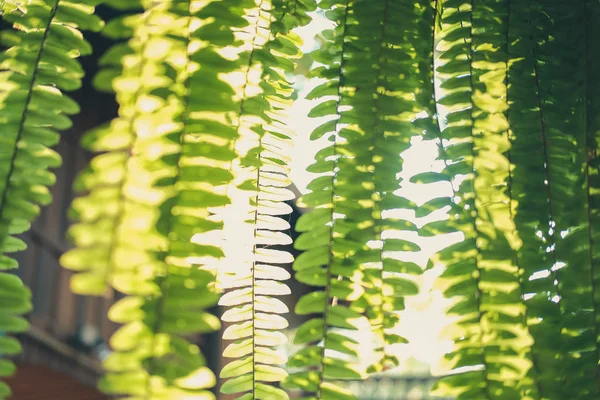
39 62
254 313
491 338
169 154
101 256
202 138
372 110
383 119
568 114
348 240
535 216
552 184
322 262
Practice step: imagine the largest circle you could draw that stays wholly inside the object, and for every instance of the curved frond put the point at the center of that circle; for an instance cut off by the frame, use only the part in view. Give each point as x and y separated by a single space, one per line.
38 64
351 239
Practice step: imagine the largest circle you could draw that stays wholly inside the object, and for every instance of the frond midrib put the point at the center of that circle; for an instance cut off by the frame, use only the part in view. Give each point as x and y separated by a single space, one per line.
253 279
534 361
477 277
328 275
241 113
381 79
28 99
132 139
163 283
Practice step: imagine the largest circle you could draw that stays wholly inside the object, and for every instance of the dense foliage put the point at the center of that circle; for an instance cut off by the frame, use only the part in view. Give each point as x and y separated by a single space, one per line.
182 205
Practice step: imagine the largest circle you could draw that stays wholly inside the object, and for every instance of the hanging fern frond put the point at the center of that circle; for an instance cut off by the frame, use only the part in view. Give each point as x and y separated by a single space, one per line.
568 114
253 312
530 188
385 116
329 352
100 230
481 274
552 150
40 61
168 154
185 206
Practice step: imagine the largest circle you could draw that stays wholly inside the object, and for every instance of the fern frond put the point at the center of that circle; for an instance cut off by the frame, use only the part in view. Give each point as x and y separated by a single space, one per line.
16 301
40 61
568 114
172 155
481 274
101 233
555 209
385 115
255 278
531 190
327 261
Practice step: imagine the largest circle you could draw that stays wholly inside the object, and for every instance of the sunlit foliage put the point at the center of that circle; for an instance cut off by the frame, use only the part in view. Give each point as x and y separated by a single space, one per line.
39 63
187 196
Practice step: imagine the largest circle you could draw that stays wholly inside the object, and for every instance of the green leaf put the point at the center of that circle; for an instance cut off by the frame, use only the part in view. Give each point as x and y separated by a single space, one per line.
323 109
335 392
309 331
237 385
265 392
405 267
400 245
9 346
237 368
311 303
335 369
343 317
7 368
267 373
430 177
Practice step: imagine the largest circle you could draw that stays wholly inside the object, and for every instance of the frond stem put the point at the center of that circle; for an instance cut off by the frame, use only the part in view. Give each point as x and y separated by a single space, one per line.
28 99
253 282
546 152
436 113
255 233
381 80
440 136
163 283
534 360
328 275
241 109
481 313
118 218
